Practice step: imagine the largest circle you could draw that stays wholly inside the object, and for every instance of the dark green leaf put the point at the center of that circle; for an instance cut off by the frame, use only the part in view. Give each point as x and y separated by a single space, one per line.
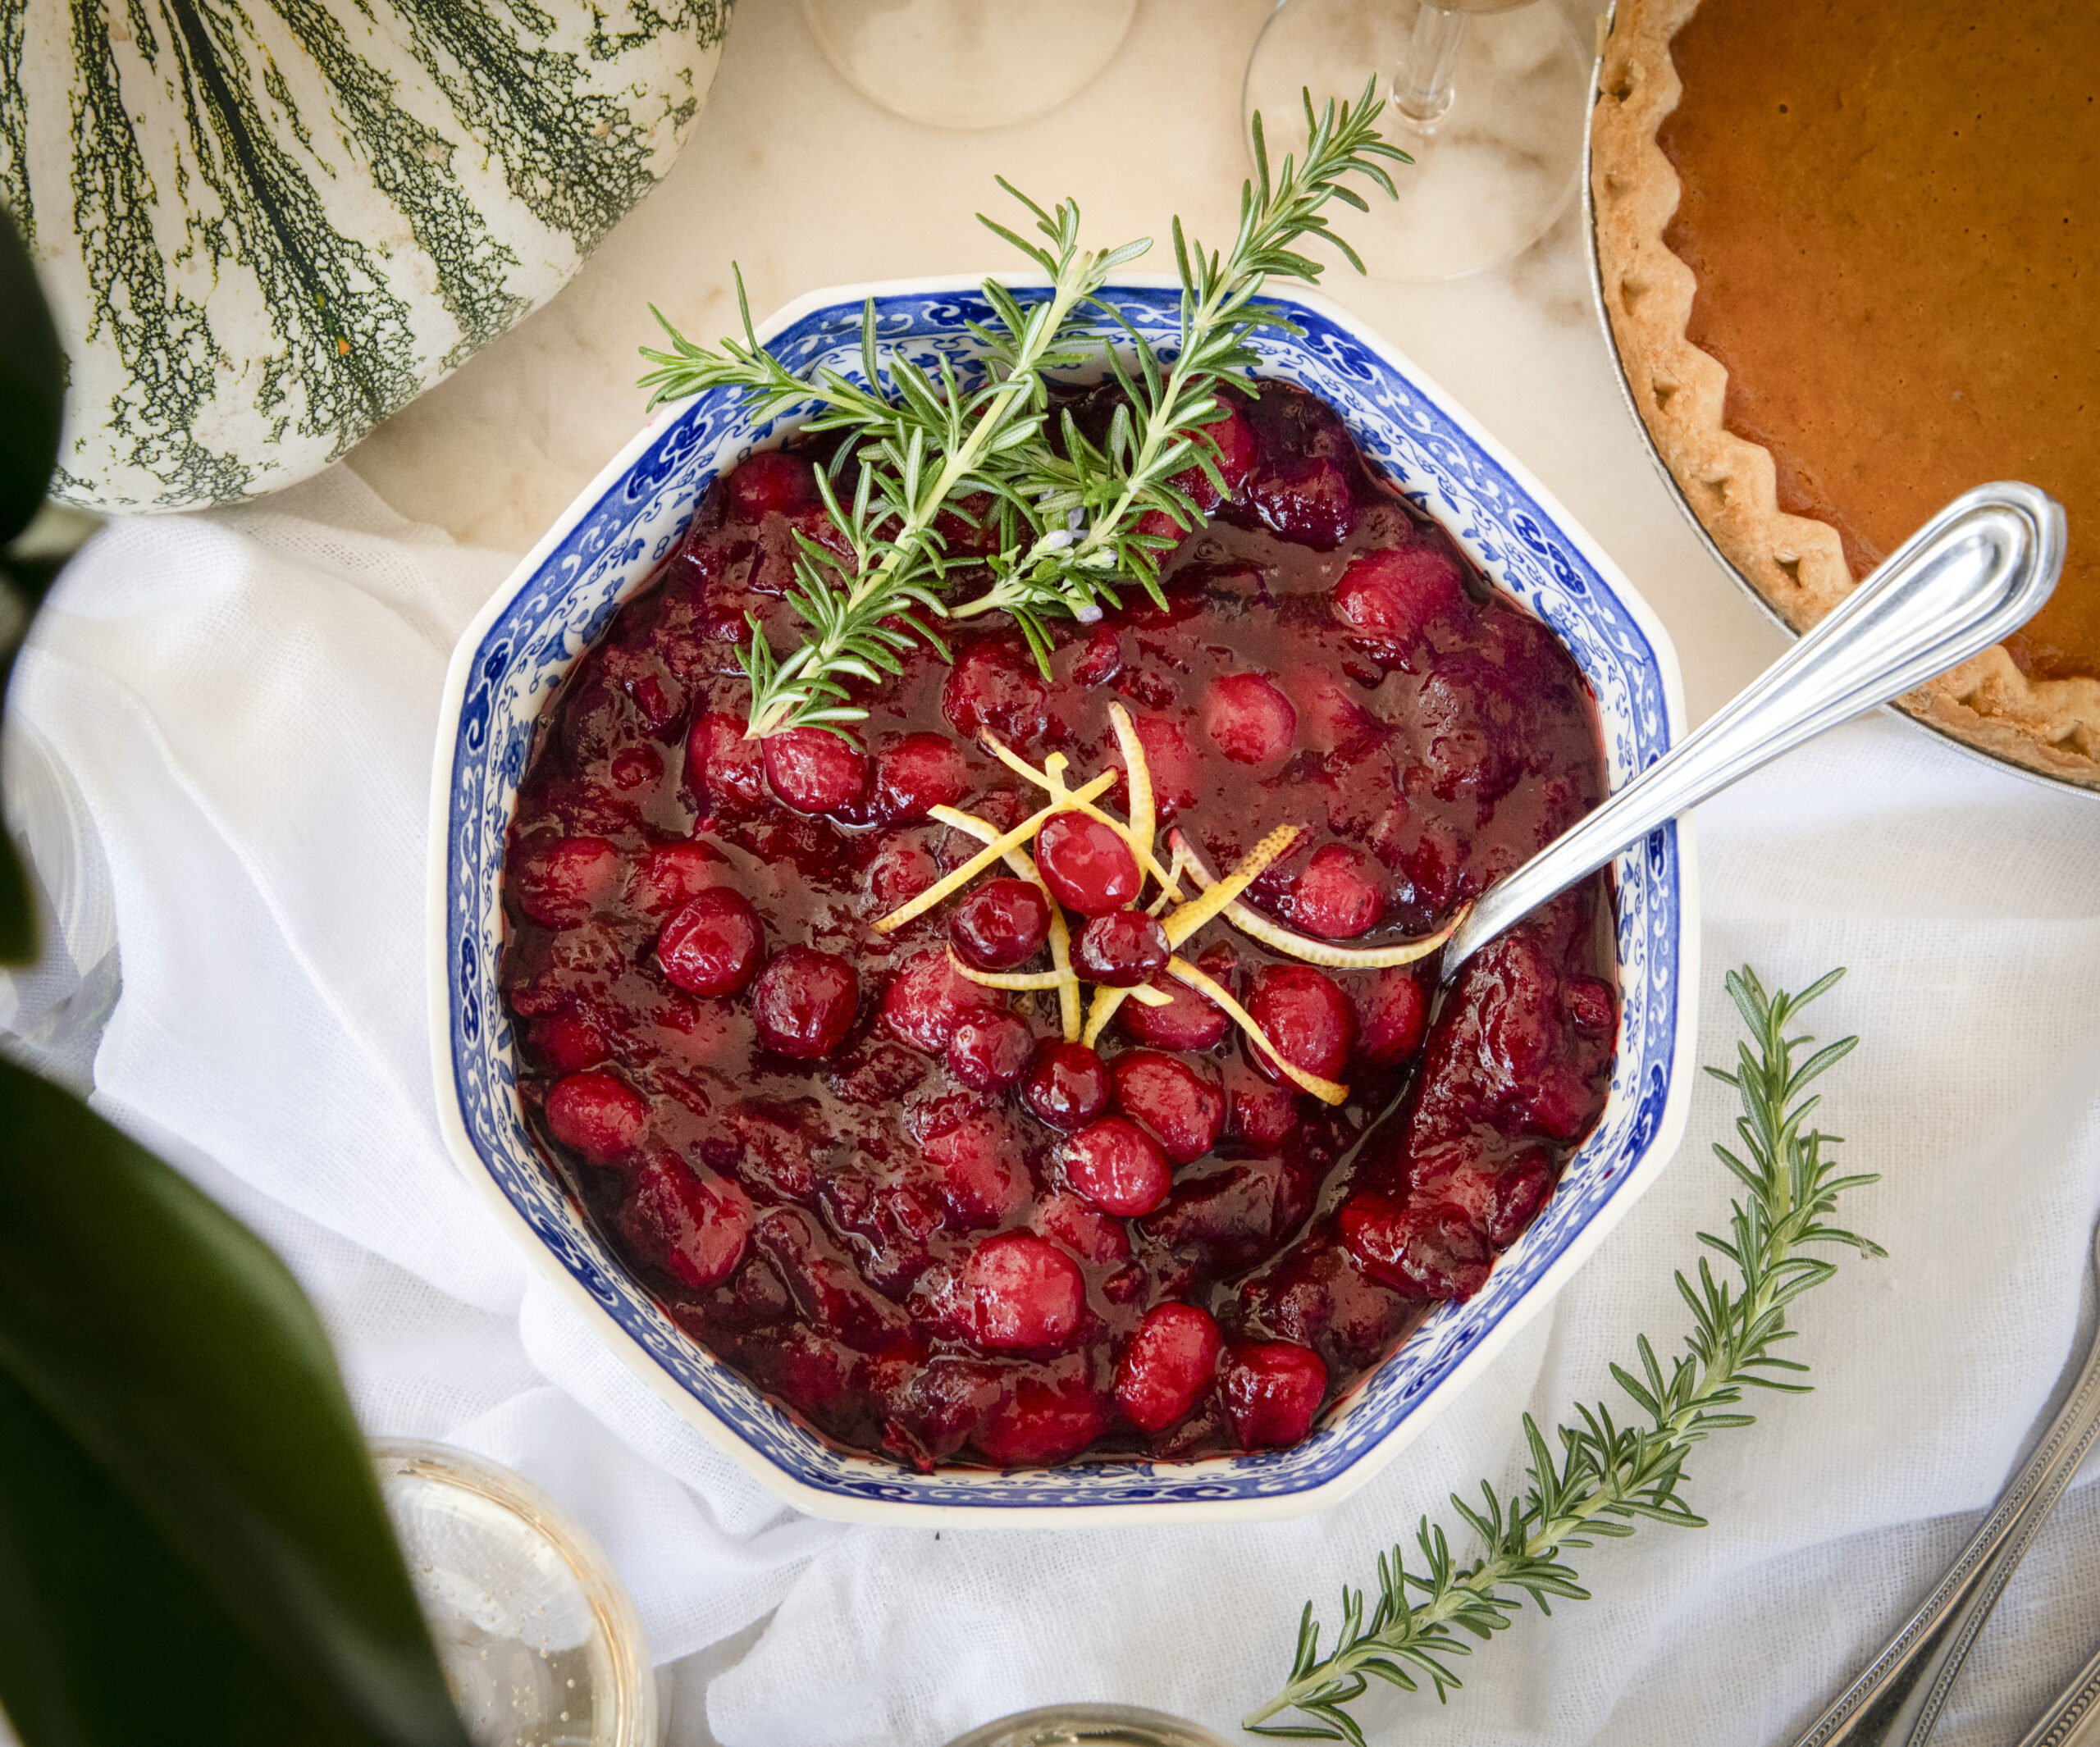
18 924
19 932
32 390
32 386
181 1357
105 1636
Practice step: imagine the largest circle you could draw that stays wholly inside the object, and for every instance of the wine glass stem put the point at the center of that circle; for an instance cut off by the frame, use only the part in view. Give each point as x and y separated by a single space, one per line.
1423 93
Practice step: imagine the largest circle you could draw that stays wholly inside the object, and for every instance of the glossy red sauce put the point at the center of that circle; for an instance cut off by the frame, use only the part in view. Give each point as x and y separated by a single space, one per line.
893 1200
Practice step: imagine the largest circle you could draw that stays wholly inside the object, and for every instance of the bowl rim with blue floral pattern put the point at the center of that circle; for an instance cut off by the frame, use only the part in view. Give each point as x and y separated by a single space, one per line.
616 534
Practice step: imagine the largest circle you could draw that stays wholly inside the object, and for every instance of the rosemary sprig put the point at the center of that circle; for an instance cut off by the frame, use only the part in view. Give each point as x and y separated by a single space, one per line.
1159 433
1608 1476
1067 524
930 445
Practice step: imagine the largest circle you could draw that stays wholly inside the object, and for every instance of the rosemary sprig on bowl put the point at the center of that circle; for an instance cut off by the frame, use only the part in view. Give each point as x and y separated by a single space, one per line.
1070 524
1607 1475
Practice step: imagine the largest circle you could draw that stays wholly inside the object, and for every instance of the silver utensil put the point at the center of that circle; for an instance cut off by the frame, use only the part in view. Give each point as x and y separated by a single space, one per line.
1978 570
2074 1720
1897 1699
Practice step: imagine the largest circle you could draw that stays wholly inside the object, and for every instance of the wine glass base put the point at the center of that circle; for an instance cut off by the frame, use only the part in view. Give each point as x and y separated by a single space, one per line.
952 63
1490 175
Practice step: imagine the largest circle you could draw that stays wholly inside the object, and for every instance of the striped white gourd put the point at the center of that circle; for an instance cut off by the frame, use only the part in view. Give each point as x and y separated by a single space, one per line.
263 225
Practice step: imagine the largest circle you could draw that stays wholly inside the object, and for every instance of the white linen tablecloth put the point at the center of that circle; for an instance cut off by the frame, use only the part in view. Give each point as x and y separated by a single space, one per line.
238 710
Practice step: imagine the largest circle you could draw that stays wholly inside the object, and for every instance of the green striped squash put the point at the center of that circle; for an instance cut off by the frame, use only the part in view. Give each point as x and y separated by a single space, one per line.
265 224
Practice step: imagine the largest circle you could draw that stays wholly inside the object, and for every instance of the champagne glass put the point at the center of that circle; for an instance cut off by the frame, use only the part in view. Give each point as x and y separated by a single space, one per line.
540 1644
1488 97
969 63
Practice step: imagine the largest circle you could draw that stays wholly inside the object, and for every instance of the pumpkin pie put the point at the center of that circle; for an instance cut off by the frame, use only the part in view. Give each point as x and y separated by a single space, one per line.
1849 260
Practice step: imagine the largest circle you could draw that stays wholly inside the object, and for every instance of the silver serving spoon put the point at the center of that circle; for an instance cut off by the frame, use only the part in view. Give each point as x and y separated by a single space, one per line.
1975 572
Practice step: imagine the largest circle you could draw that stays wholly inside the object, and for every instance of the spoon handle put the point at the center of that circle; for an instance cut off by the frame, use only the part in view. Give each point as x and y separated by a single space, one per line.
1978 570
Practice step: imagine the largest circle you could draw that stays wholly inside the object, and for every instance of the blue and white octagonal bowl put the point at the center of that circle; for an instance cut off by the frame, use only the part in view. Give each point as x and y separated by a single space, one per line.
608 544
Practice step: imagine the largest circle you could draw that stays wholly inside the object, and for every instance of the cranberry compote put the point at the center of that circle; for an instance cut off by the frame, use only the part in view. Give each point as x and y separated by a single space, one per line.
902 1201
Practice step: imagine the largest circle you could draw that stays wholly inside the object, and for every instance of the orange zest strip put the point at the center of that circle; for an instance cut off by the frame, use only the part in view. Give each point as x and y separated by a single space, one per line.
1182 922
994 850
1005 979
1144 817
1098 1013
1051 777
1325 1090
1273 935
1068 979
1182 856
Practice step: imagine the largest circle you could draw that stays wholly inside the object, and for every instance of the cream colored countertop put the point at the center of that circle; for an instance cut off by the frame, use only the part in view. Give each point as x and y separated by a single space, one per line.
805 183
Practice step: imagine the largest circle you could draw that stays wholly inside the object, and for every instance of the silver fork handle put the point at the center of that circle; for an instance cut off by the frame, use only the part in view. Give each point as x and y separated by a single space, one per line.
1896 1700
1978 571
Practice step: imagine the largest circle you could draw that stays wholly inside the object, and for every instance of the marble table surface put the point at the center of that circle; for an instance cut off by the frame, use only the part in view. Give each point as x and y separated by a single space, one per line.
805 183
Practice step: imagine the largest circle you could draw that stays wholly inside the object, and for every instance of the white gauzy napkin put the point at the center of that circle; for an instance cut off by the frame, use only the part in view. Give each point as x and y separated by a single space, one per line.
241 706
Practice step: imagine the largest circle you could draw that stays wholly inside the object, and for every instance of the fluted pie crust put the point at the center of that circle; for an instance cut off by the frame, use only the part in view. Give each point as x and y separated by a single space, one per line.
1795 564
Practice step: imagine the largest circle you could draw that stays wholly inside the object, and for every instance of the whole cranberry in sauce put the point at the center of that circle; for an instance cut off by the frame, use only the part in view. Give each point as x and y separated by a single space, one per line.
1041 1422
920 773
599 1115
1249 719
1124 947
713 944
803 1002
927 999
815 770
670 873
566 1042
1178 1103
1339 895
693 1228
1305 1015
1002 923
1117 1166
1393 596
1187 1021
772 483
1168 1363
1272 1389
1067 1085
1392 1015
990 1051
1088 866
1023 1292
723 767
562 883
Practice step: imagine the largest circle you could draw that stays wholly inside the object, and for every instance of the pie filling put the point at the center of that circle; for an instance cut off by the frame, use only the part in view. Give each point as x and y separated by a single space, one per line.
987 1087
1889 211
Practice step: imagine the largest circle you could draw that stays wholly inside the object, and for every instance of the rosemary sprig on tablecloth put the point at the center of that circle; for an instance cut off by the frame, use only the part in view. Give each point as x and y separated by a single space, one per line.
1068 523
1608 1476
